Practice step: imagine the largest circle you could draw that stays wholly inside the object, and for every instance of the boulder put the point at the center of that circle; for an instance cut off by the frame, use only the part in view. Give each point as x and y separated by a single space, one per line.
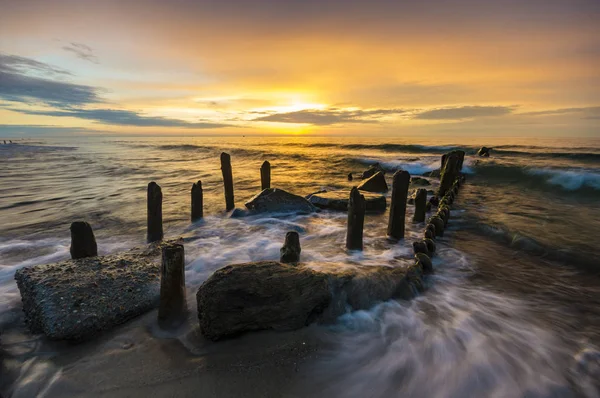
77 299
272 295
419 181
275 200
484 151
338 200
375 183
371 171
433 173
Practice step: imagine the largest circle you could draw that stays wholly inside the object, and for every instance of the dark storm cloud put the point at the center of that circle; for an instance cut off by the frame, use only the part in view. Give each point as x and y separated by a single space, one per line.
464 112
19 83
330 116
82 51
121 118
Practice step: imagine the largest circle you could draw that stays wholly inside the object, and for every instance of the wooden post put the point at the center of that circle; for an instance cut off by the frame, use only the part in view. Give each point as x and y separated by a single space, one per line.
227 181
197 201
420 205
83 242
439 225
449 173
173 306
155 226
401 181
356 220
290 252
265 175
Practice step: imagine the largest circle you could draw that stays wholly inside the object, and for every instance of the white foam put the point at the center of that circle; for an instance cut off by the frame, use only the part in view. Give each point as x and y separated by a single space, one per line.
571 179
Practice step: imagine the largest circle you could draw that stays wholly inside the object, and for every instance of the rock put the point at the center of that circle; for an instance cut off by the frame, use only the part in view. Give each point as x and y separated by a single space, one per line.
338 200
83 242
350 178
76 299
419 181
433 173
275 200
239 213
375 183
290 252
371 171
484 151
271 295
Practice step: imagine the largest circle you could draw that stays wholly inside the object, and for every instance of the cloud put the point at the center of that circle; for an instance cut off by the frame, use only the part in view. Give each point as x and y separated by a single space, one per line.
11 130
18 83
464 112
82 51
562 111
16 64
330 116
121 118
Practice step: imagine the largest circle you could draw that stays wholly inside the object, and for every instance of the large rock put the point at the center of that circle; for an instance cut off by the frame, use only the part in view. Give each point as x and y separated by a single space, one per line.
375 183
272 295
419 181
371 171
338 200
433 173
76 299
484 151
275 200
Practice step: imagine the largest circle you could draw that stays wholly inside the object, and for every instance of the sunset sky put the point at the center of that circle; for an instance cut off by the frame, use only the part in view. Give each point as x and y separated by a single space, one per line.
502 67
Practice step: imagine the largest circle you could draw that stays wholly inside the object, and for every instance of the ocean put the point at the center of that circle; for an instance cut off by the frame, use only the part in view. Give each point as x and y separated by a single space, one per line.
512 307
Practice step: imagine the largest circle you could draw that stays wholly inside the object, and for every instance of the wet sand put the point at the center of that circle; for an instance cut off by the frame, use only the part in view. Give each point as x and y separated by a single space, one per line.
139 360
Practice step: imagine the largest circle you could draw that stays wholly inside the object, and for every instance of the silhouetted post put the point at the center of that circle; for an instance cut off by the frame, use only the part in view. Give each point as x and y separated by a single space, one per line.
420 205
227 181
155 227
400 184
425 262
439 225
265 175
356 220
449 173
197 201
290 252
173 307
83 242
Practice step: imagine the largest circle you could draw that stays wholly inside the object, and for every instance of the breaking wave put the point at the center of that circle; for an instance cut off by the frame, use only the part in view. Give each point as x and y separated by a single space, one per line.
566 179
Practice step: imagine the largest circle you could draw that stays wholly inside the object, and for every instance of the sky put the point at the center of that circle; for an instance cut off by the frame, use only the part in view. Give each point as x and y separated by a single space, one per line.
332 67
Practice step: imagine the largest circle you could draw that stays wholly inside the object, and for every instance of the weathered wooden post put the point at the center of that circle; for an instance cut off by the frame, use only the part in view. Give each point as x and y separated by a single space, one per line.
227 181
155 226
356 220
197 201
173 306
449 173
438 222
420 205
401 181
83 242
290 252
265 175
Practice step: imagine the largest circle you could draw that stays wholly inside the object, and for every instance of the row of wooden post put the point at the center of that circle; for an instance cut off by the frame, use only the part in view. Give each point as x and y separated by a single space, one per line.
155 227
450 170
173 306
